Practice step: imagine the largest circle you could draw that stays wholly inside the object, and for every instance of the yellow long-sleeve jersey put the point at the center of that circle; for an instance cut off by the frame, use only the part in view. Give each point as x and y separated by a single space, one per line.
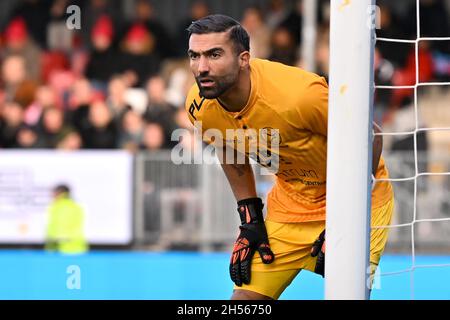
294 102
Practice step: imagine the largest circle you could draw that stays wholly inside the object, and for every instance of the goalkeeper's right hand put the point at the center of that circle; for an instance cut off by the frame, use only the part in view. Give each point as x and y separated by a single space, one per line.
318 250
252 237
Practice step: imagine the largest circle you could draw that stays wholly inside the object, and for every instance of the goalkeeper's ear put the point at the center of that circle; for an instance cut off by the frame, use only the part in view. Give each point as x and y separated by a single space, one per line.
244 59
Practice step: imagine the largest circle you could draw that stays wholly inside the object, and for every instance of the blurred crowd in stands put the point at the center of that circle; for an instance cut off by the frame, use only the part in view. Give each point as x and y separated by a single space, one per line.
121 84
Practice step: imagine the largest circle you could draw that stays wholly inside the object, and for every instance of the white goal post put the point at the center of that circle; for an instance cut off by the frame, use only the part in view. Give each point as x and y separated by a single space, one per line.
352 40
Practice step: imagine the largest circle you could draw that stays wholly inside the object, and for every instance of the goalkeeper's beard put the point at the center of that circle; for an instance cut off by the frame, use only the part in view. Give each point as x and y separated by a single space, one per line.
221 85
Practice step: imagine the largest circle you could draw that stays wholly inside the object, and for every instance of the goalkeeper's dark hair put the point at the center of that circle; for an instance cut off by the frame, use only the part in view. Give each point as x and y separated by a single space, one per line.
221 23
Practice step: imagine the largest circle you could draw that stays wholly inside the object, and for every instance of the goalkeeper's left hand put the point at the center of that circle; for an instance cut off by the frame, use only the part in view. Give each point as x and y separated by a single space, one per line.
318 250
252 237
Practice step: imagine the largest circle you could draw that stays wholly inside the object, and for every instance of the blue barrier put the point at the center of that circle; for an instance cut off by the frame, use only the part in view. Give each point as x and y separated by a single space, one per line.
33 274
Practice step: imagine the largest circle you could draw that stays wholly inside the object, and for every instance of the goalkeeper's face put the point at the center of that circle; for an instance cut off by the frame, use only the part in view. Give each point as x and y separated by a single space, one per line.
214 63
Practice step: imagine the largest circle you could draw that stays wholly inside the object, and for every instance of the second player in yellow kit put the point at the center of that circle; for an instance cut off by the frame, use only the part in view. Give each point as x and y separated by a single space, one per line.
294 102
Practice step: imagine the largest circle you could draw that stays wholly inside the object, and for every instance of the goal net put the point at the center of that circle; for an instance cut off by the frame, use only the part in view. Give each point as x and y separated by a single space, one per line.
412 102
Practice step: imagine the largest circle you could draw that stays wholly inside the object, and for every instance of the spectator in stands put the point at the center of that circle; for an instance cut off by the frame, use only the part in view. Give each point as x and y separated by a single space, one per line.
104 58
69 140
158 109
178 78
406 76
17 86
92 10
37 15
145 14
11 120
253 22
27 138
323 51
53 62
59 37
383 73
198 10
51 127
45 98
391 27
153 137
131 131
294 22
284 49
81 98
116 101
102 131
324 12
138 54
187 140
277 11
434 22
62 83
400 57
182 120
18 42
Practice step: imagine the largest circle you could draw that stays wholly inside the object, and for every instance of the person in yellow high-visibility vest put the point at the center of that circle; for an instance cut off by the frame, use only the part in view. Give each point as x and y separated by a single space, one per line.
65 229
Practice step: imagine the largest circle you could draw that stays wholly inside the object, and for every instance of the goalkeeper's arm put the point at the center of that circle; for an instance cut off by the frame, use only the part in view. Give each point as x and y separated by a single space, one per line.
240 176
253 234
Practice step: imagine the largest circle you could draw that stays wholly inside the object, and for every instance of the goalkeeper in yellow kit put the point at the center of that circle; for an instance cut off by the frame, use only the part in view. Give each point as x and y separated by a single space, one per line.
233 91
